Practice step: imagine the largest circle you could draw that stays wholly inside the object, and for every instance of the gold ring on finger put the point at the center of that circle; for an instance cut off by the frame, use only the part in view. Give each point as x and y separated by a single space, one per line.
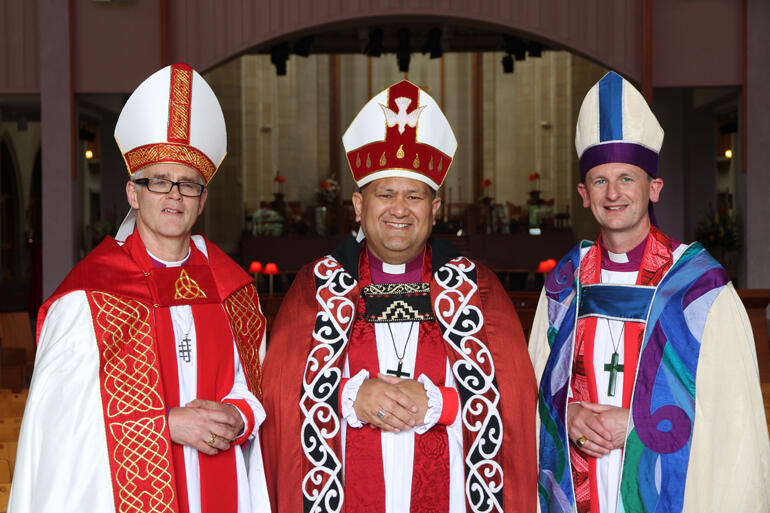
580 442
213 439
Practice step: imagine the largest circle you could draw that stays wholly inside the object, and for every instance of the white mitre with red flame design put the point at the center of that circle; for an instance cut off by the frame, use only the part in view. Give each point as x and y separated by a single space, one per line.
173 116
401 132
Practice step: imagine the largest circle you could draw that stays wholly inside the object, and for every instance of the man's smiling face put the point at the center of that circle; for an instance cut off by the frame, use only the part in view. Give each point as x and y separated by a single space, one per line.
397 216
618 195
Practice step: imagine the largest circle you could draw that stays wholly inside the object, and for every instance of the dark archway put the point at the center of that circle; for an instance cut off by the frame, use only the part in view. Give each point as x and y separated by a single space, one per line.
35 236
10 215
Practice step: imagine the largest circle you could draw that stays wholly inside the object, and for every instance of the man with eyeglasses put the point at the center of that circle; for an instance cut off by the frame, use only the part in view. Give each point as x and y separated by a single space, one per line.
147 376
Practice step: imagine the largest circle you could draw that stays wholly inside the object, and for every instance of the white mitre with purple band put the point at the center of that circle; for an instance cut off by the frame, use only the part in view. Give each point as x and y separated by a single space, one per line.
615 124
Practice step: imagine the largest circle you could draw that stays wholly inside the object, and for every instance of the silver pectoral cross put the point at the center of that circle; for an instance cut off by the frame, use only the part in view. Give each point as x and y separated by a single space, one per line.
185 352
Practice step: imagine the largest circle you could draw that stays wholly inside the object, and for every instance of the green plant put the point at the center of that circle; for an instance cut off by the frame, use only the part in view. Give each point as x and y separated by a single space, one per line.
718 230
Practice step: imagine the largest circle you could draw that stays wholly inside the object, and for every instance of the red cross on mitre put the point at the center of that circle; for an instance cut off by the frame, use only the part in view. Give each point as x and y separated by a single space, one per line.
400 132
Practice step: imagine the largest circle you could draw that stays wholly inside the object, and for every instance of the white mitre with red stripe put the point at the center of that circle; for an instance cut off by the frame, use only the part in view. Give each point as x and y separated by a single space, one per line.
401 132
173 116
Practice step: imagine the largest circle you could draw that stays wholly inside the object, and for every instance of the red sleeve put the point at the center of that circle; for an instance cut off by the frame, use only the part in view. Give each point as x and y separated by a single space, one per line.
518 394
450 405
248 413
343 382
288 347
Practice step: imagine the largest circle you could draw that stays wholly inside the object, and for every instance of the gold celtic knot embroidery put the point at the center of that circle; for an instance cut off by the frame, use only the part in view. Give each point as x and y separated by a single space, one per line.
247 324
187 288
144 469
130 377
133 408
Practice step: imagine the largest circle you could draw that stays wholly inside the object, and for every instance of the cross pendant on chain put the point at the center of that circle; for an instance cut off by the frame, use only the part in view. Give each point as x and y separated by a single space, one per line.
398 372
613 368
184 349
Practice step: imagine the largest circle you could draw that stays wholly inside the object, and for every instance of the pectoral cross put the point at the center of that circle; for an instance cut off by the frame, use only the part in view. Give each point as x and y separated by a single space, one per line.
184 348
398 372
613 368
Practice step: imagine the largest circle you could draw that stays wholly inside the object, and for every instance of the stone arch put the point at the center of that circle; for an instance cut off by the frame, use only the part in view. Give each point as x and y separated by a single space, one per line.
606 31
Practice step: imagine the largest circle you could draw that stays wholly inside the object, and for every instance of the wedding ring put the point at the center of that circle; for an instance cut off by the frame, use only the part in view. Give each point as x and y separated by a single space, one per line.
380 414
580 442
213 439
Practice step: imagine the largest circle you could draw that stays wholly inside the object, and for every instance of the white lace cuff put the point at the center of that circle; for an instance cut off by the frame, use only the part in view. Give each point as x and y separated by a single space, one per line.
435 405
349 394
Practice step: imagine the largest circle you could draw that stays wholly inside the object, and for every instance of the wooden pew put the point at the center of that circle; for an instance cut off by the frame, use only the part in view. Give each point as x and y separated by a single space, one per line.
8 453
5 492
9 428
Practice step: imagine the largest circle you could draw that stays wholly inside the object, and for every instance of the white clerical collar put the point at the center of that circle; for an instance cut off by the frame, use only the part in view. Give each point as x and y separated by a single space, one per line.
168 263
393 269
618 258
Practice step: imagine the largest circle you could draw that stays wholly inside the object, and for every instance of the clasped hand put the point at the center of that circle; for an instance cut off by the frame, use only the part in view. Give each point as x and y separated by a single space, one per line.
403 401
604 427
200 420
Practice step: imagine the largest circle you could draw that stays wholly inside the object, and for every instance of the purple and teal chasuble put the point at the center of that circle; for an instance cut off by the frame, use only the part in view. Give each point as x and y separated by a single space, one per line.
660 430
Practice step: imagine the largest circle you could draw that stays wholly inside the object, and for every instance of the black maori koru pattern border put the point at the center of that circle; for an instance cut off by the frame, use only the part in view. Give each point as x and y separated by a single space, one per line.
398 302
322 488
461 323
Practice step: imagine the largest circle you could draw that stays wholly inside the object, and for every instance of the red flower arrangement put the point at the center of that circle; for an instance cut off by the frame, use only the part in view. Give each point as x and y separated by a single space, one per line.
534 194
279 180
486 183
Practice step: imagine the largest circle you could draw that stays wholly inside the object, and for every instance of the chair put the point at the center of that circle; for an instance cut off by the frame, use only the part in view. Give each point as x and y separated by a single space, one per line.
9 429
8 452
5 492
12 405
5 472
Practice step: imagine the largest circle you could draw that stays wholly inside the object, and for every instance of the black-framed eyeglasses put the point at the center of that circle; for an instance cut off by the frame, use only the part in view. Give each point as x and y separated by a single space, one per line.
164 186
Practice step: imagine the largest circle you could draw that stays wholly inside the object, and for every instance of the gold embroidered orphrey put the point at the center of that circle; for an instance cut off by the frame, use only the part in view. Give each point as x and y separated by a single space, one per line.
247 323
180 101
187 288
134 411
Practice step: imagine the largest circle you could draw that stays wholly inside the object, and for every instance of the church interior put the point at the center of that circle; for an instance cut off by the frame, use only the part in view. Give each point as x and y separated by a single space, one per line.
291 75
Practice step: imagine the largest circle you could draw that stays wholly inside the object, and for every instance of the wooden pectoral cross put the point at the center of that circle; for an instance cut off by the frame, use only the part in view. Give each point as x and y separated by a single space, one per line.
398 372
613 368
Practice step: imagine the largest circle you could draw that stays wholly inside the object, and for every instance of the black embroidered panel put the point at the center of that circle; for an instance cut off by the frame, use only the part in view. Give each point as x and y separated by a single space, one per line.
398 302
